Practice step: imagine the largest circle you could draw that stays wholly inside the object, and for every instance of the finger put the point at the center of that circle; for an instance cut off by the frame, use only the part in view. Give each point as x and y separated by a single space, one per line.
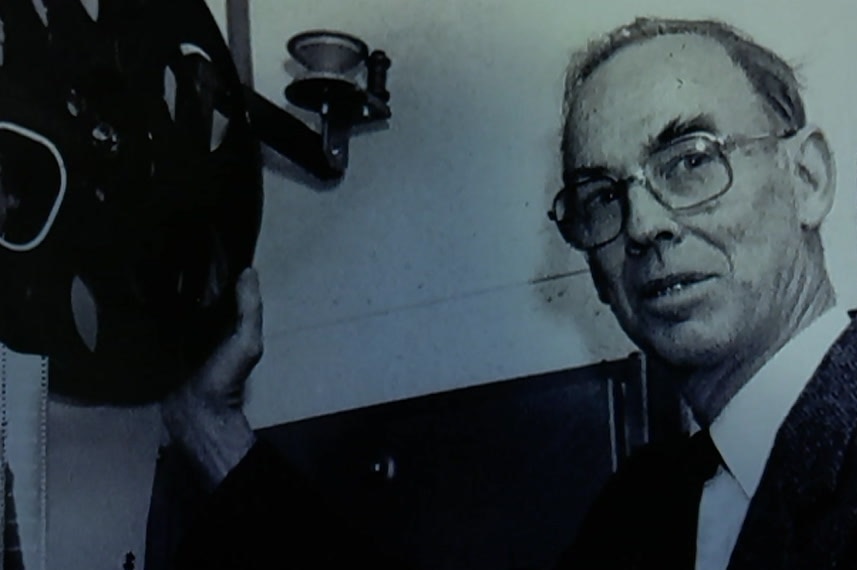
240 352
225 372
249 304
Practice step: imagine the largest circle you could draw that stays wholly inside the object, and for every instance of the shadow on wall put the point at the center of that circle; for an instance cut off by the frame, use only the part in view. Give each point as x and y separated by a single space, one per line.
564 288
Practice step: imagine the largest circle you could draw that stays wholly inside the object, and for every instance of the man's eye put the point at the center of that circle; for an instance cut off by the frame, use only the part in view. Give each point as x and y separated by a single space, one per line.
602 197
686 164
696 160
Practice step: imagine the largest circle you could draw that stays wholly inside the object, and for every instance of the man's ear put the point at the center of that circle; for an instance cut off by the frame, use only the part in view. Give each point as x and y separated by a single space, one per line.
815 172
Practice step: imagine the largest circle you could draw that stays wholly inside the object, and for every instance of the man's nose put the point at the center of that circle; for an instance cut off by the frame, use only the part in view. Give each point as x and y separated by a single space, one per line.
649 221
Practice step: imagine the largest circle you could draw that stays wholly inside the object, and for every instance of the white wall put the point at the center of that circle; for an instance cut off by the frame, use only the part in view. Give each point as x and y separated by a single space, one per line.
420 272
101 465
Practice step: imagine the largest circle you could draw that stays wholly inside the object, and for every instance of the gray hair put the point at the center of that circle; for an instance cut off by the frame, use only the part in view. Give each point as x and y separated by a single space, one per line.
772 78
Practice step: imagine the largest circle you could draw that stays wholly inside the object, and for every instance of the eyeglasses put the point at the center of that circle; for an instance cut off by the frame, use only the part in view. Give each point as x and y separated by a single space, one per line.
689 172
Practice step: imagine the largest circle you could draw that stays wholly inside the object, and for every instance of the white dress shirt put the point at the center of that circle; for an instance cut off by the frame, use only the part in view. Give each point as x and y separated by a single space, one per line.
744 434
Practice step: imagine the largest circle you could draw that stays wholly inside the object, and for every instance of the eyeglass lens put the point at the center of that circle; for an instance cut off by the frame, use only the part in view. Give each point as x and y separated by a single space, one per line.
684 174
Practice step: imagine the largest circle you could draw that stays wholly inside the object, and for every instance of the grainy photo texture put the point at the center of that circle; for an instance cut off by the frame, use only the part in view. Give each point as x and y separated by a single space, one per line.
453 285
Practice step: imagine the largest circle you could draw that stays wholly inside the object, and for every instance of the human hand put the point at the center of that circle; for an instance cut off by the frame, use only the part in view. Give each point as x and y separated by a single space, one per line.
205 414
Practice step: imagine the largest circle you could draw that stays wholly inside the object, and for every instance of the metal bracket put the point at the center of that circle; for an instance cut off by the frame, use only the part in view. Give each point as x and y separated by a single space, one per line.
329 88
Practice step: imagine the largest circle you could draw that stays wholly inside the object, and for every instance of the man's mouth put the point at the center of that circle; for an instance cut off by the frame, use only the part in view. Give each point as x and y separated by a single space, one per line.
672 284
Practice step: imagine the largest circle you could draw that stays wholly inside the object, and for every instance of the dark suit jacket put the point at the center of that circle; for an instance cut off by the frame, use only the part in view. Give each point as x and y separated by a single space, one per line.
803 515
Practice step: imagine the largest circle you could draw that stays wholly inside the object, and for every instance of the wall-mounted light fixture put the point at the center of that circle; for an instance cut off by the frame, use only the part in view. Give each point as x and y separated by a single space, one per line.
342 82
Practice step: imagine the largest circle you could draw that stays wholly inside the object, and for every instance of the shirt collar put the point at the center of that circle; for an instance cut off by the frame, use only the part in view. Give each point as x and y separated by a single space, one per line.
745 430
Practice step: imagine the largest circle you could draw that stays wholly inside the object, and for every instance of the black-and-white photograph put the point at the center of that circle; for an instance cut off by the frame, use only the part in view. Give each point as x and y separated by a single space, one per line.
450 285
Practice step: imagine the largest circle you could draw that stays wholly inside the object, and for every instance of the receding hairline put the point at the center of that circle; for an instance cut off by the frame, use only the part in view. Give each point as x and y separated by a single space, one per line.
769 76
685 54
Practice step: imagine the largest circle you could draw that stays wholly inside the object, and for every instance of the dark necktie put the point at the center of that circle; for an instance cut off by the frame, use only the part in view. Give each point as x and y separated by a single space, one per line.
699 462
649 512
671 541
702 458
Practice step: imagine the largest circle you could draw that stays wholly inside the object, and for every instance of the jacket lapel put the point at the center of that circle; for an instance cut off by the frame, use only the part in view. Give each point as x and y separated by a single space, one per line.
804 513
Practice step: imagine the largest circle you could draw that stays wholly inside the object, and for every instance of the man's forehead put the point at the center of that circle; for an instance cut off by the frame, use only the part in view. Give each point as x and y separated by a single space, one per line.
643 88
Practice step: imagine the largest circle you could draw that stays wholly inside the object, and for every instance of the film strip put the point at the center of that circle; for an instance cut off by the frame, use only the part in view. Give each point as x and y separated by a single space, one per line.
23 444
3 430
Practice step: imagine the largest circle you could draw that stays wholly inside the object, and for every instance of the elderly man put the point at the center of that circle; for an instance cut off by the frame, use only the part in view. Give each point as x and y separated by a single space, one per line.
696 189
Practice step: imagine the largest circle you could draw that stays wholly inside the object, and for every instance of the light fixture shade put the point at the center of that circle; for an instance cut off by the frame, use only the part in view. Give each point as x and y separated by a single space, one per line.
325 51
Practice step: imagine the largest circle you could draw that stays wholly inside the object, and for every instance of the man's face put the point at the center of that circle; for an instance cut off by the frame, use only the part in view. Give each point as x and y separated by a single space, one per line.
699 286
